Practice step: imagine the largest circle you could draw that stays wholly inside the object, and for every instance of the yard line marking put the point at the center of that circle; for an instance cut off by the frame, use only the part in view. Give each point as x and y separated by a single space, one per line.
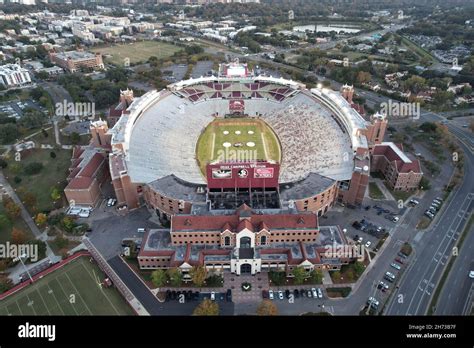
102 290
32 305
42 299
67 297
78 293
54 296
16 302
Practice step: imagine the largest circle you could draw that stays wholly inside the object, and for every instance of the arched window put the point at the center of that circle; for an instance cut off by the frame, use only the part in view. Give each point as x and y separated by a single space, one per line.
263 240
227 241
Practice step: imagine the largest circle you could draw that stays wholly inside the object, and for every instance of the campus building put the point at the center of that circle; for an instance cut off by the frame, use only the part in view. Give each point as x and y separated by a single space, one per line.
400 172
13 75
73 61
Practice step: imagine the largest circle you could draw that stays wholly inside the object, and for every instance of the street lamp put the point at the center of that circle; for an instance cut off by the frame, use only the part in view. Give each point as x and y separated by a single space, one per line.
26 269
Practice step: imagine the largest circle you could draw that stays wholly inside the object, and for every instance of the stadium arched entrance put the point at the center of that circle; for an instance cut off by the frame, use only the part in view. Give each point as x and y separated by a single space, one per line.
245 268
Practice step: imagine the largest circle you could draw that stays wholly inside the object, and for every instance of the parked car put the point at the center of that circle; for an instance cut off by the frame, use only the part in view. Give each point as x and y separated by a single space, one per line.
373 303
368 244
320 293
314 292
287 293
309 293
396 266
270 294
389 276
402 255
399 260
303 292
471 274
280 295
213 296
382 286
414 201
228 295
196 295
264 293
296 293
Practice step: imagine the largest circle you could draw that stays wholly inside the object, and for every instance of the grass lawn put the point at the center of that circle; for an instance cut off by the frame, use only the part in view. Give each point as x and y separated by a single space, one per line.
423 223
403 195
54 172
137 51
6 231
211 147
374 191
51 295
338 292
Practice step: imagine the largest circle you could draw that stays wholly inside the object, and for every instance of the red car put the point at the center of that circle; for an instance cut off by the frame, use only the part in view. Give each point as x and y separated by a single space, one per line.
399 260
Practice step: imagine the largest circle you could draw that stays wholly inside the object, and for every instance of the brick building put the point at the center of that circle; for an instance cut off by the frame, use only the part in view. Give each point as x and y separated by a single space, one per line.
401 172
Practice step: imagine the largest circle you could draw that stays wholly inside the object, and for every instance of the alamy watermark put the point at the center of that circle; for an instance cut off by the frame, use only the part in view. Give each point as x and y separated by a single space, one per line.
400 109
15 251
236 155
75 110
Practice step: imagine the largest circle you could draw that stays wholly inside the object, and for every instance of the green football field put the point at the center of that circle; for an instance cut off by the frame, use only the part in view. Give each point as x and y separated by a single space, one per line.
244 139
70 290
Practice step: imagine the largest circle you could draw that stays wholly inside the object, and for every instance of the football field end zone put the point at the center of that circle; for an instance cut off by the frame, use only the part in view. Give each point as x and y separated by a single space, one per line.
49 296
43 273
133 302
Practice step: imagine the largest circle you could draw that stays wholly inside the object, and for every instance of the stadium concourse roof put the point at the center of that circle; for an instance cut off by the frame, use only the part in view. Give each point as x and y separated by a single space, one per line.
313 183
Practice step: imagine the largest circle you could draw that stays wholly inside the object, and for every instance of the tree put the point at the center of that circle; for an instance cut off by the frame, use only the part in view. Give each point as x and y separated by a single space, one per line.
317 276
363 77
75 138
299 274
415 83
41 219
55 194
52 154
198 275
359 268
68 224
29 199
4 221
33 168
158 277
207 307
8 133
18 236
267 307
175 276
60 241
12 209
3 163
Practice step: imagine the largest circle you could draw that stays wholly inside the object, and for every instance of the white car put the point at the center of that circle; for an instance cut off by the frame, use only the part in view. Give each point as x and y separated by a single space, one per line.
368 244
280 295
320 293
396 266
270 294
213 296
471 274
313 291
372 302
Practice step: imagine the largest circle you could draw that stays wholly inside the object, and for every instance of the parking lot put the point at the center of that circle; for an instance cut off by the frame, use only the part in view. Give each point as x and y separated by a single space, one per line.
368 223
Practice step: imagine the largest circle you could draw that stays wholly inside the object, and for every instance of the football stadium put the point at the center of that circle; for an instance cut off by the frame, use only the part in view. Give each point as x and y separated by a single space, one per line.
167 145
238 167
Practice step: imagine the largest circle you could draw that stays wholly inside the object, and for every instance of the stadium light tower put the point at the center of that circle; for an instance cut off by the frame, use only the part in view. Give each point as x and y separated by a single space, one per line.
20 258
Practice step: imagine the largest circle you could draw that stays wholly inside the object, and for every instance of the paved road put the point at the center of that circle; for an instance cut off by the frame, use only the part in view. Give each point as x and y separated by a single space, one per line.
435 248
149 301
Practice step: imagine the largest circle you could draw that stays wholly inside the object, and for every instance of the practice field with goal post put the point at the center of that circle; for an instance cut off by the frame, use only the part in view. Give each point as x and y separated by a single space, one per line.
73 289
241 139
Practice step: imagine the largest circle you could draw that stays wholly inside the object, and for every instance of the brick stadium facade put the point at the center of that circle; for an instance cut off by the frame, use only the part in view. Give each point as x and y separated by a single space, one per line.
244 242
